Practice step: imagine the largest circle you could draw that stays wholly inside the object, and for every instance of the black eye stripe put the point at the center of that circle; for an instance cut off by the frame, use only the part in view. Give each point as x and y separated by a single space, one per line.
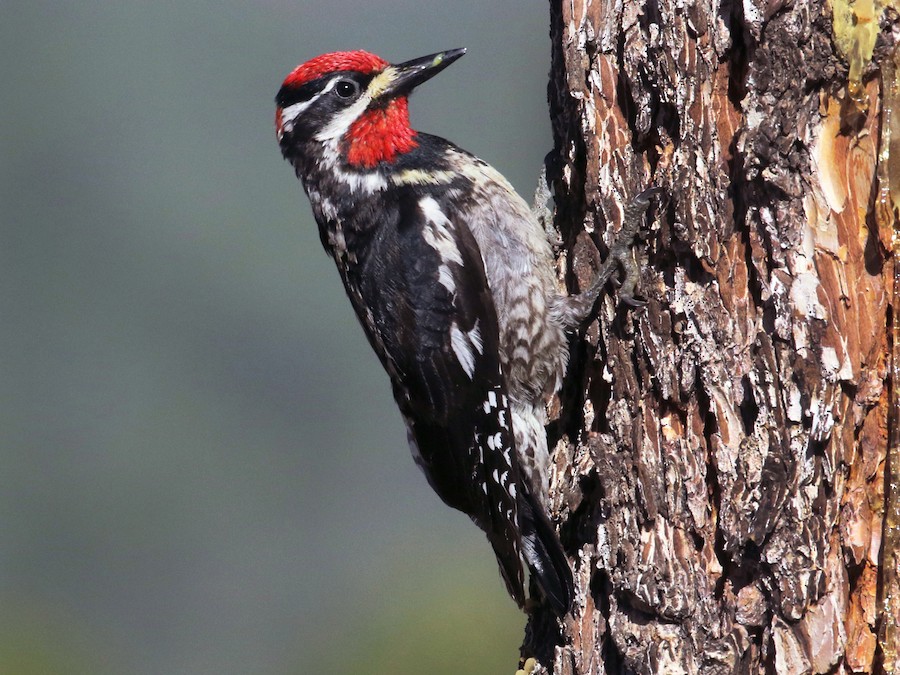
290 94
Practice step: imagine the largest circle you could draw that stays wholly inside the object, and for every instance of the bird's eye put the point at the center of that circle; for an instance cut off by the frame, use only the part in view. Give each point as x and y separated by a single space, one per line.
346 88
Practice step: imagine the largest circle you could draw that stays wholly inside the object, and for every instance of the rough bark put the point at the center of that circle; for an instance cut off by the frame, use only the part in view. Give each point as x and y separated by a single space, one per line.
719 467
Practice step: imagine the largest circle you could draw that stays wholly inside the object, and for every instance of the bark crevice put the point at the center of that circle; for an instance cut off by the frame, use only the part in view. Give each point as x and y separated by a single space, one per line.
719 452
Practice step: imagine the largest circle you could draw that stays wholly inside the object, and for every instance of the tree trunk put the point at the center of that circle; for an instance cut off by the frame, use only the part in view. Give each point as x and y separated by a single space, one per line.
720 453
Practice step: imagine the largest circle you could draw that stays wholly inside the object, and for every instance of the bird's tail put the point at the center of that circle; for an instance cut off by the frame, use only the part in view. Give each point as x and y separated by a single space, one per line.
544 555
529 536
536 543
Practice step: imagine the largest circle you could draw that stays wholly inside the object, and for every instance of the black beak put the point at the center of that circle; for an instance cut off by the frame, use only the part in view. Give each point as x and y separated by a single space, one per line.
409 75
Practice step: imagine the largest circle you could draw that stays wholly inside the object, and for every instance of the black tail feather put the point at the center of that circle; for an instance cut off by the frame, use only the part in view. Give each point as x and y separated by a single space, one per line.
544 555
510 567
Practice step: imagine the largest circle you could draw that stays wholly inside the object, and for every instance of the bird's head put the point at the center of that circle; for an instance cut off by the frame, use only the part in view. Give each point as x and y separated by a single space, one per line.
353 103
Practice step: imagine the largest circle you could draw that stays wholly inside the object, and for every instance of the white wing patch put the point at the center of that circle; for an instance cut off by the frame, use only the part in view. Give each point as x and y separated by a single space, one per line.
445 279
475 337
438 234
462 347
465 346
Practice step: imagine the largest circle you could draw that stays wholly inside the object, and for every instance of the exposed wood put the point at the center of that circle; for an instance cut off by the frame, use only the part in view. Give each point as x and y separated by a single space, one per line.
720 466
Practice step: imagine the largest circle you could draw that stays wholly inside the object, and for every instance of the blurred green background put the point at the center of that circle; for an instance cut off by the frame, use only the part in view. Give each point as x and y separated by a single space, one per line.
201 467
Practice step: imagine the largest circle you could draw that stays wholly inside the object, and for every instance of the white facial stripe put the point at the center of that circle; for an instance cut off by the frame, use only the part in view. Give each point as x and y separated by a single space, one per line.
341 123
357 181
289 114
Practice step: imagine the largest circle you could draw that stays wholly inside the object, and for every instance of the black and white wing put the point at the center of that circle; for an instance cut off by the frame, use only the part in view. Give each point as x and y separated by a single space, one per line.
422 295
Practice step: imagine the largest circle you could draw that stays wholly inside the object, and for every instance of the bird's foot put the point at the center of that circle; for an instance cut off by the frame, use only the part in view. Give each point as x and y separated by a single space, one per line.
621 253
621 257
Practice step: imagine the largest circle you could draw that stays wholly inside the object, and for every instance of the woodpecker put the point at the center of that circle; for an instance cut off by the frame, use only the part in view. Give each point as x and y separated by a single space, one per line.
452 279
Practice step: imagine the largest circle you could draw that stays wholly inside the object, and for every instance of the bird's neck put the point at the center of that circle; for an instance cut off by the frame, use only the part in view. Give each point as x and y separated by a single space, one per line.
379 135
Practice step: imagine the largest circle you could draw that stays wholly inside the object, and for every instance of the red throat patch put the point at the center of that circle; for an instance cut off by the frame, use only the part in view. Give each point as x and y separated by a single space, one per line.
379 135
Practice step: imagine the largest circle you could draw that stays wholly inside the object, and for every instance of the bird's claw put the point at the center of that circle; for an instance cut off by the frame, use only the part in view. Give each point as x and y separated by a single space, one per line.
620 258
621 253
